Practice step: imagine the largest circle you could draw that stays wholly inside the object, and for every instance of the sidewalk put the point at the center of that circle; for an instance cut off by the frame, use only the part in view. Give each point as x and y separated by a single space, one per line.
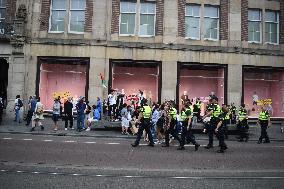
106 129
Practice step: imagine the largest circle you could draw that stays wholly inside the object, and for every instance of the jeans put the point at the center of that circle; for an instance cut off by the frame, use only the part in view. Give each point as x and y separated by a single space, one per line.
153 130
80 121
17 115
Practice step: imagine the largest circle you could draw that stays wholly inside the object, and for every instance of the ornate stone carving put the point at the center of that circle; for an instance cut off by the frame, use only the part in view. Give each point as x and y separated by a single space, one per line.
22 12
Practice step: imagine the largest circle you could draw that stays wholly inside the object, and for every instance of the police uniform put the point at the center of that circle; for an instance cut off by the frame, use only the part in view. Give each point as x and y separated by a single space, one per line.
213 123
221 132
171 130
263 121
187 132
145 124
243 125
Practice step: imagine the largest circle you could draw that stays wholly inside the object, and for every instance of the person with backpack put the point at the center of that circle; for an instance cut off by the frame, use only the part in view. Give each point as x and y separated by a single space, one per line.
17 108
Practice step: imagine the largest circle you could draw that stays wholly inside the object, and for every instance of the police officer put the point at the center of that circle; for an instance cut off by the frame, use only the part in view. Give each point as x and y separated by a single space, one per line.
170 128
220 130
264 122
227 120
145 123
214 113
243 124
186 117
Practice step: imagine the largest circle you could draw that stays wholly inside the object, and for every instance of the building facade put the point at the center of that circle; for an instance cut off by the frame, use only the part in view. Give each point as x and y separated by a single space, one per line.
170 49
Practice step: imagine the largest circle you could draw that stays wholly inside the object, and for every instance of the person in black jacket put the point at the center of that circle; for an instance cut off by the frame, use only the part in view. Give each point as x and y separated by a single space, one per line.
68 108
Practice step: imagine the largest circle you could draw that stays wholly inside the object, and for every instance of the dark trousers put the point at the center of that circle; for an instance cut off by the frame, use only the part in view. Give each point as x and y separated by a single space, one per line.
243 129
211 130
226 130
1 113
264 125
145 124
68 117
171 130
187 133
29 117
221 138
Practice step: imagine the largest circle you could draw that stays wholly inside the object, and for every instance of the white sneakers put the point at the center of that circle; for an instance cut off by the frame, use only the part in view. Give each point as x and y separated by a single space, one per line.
65 129
88 129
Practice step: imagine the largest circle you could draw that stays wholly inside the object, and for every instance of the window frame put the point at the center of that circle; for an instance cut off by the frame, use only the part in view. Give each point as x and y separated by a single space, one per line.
155 13
218 23
192 16
278 23
50 23
260 22
135 16
69 17
2 30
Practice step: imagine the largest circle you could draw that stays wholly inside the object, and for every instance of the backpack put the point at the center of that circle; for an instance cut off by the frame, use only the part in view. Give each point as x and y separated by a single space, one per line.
20 103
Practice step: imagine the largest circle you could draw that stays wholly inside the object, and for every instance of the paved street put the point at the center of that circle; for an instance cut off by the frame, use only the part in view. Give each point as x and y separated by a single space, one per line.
44 161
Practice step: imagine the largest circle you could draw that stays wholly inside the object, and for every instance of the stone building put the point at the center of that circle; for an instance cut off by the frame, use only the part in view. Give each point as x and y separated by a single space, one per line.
166 48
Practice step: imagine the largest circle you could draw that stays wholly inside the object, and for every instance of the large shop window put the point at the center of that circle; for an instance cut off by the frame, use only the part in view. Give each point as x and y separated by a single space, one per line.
132 76
264 87
201 81
61 77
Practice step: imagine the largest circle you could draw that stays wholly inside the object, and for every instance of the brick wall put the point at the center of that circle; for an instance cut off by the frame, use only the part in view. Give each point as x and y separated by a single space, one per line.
159 28
115 16
181 18
89 15
10 11
224 22
244 20
281 29
44 15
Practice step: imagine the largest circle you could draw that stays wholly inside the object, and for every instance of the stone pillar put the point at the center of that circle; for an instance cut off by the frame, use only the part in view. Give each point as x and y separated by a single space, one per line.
97 66
169 80
234 89
234 23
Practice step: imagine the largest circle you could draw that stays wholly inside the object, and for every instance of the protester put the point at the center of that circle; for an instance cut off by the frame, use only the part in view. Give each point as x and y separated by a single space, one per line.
81 107
17 108
68 113
38 115
112 104
32 106
99 106
124 119
96 117
56 112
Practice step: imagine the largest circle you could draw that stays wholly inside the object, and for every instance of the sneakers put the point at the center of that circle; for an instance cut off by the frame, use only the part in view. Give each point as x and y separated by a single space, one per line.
88 129
55 129
65 129
196 147
208 146
134 145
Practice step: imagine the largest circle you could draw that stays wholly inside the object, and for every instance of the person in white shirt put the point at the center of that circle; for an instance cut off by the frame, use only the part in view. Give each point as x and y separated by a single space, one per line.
112 104
17 108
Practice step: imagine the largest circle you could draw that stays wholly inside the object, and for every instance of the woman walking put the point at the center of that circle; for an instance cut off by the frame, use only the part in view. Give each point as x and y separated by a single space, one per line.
38 115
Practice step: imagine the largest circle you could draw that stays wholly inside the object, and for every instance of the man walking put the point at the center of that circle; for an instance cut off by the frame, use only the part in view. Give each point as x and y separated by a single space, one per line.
144 119
80 106
32 106
68 111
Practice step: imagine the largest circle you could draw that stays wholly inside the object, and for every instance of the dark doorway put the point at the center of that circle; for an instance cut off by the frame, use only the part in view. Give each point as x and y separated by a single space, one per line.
4 66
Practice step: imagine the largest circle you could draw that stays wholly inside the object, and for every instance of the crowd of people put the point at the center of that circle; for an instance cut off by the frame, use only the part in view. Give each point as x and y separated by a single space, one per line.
161 122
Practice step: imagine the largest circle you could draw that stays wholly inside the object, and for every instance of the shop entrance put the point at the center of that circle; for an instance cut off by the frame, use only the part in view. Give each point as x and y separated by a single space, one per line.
263 86
131 76
4 67
64 77
201 81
